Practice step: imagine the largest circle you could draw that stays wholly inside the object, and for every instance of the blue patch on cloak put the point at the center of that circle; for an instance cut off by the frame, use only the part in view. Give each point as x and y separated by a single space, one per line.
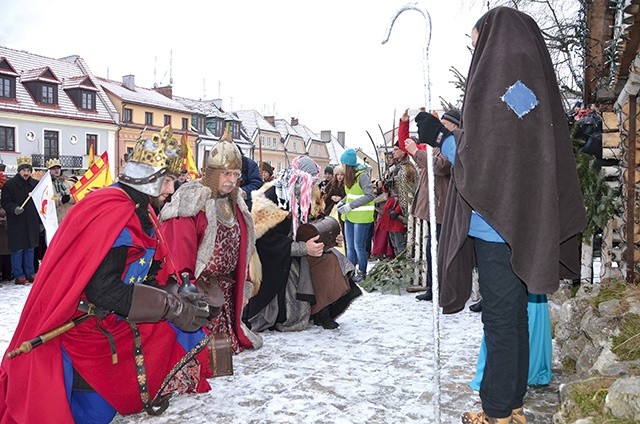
520 99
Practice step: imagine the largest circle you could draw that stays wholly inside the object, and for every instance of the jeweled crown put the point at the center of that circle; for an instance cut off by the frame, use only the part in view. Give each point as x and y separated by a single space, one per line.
155 150
175 162
23 160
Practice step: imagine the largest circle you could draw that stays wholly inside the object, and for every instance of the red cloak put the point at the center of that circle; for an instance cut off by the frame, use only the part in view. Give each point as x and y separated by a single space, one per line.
32 385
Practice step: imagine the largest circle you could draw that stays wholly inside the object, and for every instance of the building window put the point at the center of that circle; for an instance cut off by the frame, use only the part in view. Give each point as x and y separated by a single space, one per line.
51 147
199 122
185 124
48 95
127 116
92 139
148 118
167 120
7 87
7 139
87 100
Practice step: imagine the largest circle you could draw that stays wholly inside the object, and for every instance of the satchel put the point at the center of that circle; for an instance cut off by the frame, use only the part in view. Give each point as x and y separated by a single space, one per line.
221 355
326 227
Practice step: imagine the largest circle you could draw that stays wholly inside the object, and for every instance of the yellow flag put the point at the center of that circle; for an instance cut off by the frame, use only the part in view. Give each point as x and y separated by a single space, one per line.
189 163
97 176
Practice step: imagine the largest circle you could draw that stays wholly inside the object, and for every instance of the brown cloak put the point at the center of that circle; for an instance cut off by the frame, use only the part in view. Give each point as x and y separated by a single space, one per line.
514 163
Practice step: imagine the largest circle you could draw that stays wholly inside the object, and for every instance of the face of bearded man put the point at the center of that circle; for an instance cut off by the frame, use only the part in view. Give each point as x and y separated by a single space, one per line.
165 191
25 173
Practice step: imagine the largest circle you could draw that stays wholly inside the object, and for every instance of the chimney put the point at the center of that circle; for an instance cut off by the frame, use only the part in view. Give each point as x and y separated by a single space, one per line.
341 138
271 119
129 81
325 136
166 91
294 121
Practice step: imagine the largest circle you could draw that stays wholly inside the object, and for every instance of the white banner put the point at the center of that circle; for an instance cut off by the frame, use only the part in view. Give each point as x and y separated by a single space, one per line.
43 198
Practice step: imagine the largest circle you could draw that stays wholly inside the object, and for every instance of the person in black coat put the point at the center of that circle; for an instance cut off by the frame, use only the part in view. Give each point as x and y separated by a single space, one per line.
251 178
23 223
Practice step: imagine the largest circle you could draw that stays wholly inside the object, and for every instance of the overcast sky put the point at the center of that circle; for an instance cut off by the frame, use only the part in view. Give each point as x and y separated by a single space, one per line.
320 61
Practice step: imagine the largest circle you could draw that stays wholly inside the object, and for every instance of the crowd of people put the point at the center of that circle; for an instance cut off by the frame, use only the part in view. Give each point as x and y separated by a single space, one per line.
171 267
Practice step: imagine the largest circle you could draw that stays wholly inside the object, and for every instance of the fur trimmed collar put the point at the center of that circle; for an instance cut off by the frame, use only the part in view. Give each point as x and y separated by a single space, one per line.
264 212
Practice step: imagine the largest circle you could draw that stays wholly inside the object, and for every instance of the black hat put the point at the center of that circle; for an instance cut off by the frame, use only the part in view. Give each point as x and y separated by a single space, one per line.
328 169
25 166
452 115
267 167
184 171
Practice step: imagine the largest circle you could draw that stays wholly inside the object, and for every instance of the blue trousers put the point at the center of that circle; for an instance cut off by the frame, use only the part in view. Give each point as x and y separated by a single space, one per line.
506 330
22 263
356 236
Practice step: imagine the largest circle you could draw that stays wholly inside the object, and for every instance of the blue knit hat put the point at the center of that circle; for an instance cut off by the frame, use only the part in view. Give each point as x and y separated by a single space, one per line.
349 157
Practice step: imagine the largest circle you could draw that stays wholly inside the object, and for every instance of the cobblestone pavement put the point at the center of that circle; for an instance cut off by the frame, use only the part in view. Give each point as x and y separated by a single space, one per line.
378 367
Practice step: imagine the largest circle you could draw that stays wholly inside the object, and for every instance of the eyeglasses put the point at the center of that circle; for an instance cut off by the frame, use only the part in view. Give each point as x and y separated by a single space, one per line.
231 174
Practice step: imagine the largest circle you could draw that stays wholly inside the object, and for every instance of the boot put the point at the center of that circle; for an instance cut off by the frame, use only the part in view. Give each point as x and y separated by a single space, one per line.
428 296
476 307
339 306
518 417
324 319
481 418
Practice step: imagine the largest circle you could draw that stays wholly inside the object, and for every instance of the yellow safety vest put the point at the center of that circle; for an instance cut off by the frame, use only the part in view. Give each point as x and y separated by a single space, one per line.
362 214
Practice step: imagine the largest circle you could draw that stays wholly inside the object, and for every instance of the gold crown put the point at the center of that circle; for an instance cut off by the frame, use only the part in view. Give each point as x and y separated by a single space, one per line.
52 162
24 160
154 150
175 163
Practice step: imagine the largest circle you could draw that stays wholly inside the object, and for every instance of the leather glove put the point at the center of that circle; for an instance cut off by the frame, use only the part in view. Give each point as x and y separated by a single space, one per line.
188 311
393 214
430 129
151 304
65 198
18 210
344 209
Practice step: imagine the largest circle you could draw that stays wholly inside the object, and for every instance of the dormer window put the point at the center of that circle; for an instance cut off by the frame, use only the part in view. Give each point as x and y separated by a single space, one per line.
48 95
8 77
82 92
88 100
7 87
42 84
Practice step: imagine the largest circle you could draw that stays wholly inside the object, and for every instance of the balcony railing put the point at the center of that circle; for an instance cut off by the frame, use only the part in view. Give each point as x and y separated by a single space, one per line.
67 162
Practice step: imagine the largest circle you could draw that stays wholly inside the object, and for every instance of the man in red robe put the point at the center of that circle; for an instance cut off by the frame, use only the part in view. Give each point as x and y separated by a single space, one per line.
121 360
211 236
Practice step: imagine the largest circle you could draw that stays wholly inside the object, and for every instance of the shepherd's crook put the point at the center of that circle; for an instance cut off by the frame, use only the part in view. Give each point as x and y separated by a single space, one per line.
425 52
432 207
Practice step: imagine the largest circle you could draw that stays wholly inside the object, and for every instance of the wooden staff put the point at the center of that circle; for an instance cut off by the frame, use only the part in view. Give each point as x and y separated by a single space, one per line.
27 346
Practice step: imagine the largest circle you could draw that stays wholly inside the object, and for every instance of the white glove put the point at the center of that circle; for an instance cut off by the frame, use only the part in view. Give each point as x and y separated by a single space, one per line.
343 209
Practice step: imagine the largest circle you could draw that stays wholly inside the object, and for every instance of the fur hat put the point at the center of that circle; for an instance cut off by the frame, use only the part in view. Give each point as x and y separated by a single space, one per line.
453 116
349 157
339 169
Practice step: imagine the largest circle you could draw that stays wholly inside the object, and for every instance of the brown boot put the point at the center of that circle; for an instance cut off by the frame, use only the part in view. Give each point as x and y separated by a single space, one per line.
518 417
481 418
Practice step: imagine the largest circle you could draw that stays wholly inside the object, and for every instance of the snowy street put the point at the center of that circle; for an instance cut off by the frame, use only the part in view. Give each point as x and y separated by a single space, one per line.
376 368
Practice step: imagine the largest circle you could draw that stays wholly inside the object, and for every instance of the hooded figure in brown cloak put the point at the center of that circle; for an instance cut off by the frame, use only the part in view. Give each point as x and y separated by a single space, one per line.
514 163
515 174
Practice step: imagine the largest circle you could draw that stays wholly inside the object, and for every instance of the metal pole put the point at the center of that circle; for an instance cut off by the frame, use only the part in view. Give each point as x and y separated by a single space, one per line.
631 190
432 216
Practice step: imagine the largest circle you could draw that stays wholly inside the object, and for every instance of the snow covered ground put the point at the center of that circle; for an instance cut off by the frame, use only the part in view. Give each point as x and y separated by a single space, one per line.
378 367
